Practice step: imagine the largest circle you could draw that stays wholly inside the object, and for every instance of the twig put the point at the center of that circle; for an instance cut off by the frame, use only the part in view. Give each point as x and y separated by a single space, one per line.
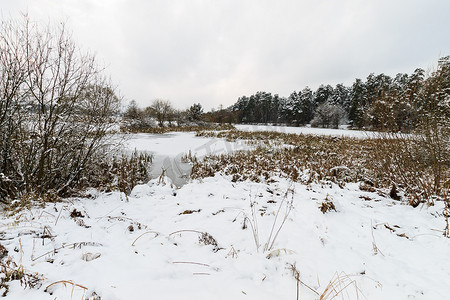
56 249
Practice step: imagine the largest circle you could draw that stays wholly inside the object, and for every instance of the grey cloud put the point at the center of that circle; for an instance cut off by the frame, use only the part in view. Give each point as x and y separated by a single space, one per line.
215 51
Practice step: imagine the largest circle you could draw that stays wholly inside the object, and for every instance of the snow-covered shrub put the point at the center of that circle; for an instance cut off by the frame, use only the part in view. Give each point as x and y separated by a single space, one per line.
56 110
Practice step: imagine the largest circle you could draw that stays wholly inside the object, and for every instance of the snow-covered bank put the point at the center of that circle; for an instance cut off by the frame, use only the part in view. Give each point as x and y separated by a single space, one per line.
307 130
145 247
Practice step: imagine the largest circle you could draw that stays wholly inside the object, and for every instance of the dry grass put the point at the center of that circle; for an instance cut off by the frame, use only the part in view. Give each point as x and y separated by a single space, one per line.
108 173
339 285
376 162
190 128
10 271
120 173
204 238
327 205
189 158
65 283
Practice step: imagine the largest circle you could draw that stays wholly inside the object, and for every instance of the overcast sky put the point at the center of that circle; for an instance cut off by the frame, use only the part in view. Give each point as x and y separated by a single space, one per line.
214 51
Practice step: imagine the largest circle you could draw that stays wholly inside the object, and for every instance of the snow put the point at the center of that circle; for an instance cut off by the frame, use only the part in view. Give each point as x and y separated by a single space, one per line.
307 130
176 143
150 244
153 261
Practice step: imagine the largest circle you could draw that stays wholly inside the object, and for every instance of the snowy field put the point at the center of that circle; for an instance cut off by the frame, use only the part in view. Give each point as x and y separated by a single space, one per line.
218 239
144 248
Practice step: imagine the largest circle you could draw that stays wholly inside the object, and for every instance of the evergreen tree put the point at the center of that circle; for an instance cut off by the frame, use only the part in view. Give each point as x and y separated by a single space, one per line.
323 93
341 96
195 112
357 101
307 105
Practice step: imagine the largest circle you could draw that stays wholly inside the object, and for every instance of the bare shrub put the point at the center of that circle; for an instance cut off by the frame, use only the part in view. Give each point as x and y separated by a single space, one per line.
56 110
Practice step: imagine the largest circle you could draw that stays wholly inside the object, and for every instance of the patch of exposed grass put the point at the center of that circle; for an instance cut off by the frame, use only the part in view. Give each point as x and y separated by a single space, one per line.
190 128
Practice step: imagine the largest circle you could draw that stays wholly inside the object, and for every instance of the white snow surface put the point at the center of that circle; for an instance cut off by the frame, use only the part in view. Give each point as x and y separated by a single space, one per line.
153 261
177 143
148 245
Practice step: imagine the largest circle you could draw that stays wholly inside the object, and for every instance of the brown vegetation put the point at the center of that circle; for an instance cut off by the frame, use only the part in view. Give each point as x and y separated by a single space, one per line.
375 162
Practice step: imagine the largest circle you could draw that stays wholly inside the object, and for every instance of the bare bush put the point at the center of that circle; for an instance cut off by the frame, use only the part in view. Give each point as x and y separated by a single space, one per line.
56 109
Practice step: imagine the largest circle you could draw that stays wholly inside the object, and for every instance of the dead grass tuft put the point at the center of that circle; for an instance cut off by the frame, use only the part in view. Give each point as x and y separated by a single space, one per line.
327 205
10 271
190 128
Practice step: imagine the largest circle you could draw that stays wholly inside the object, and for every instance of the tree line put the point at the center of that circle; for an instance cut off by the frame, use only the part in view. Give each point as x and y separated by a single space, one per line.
379 102
160 113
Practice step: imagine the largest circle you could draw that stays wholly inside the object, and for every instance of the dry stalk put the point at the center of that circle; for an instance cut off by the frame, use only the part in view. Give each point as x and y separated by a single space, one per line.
289 205
374 244
147 232
198 264
64 283
161 177
337 285
446 214
296 275
185 230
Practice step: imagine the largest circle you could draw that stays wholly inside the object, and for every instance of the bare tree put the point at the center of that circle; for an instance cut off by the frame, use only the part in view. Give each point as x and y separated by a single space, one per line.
55 109
162 111
133 112
327 115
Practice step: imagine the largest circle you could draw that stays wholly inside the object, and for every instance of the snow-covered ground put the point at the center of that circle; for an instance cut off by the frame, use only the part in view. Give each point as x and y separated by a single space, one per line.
207 240
307 130
151 247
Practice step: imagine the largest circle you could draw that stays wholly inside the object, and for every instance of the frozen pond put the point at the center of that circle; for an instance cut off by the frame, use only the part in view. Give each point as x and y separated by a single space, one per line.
168 148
